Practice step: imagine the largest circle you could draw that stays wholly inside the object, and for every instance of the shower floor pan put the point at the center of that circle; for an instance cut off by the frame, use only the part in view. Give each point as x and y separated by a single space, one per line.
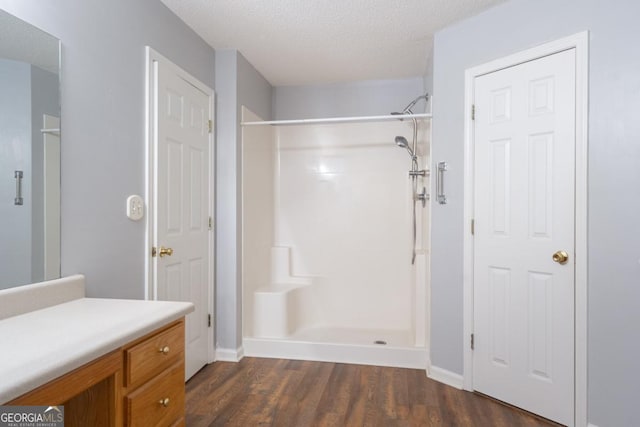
342 345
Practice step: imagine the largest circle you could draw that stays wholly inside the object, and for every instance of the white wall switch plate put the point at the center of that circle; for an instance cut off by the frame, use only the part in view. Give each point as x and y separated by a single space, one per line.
135 207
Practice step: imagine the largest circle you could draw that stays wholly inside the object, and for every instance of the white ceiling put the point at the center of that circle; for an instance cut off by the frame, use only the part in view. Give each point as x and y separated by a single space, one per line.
299 42
20 41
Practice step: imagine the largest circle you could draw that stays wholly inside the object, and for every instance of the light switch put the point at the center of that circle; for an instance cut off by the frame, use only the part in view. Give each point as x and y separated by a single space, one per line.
135 207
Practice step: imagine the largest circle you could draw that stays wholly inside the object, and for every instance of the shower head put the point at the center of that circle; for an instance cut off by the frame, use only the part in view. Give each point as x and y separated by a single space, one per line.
402 142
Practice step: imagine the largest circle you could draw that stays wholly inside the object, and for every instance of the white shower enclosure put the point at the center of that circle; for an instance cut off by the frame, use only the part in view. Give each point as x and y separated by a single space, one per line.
327 240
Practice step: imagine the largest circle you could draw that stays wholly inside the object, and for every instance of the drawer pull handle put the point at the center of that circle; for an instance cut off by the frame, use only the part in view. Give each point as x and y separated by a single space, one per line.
164 350
164 402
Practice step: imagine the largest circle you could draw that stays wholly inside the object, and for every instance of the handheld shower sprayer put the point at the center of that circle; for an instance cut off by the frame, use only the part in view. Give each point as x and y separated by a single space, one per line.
402 142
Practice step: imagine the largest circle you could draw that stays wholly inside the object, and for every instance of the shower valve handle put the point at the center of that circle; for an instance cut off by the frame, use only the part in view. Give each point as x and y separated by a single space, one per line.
423 196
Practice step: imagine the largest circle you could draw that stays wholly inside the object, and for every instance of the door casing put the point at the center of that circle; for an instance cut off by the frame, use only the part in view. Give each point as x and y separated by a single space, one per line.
580 42
150 138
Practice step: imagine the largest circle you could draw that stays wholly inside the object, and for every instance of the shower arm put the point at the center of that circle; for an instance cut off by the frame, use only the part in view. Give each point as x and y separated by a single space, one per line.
408 108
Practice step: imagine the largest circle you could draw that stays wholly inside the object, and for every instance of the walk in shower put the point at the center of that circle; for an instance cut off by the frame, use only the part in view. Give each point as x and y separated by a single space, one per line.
330 267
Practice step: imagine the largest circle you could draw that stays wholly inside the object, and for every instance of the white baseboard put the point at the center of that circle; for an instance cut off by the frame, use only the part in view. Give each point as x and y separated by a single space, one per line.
229 355
444 376
591 425
400 357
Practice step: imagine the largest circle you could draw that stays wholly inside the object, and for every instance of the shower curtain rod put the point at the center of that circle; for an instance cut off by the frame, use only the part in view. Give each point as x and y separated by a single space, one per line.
339 120
52 131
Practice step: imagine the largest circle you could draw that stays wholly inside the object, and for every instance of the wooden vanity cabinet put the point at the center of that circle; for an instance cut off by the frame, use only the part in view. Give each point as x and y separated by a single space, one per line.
140 384
154 379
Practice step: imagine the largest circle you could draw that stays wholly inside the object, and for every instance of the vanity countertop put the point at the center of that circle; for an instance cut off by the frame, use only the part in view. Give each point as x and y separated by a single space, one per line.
41 345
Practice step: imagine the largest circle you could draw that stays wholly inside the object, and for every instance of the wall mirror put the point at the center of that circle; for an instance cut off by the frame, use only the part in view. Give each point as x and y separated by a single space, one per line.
29 153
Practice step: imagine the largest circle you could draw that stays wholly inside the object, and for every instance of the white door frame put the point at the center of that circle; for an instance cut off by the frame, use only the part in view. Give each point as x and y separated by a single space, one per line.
151 141
580 42
51 141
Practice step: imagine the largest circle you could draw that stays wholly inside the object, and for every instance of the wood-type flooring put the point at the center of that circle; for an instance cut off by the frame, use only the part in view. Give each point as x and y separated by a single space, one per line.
276 392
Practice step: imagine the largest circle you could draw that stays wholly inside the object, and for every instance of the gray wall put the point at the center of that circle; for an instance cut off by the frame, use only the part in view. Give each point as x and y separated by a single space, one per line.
45 99
227 280
254 91
238 83
614 180
103 146
364 98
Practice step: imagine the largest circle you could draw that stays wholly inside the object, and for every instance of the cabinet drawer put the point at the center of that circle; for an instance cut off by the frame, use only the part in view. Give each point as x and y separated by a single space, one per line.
153 355
160 402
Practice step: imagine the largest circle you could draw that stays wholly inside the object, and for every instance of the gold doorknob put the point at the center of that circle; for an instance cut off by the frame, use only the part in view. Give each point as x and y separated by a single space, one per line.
164 402
561 257
164 350
165 251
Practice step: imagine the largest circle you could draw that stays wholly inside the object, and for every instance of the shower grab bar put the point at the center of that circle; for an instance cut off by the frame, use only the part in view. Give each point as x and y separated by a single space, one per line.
18 200
441 197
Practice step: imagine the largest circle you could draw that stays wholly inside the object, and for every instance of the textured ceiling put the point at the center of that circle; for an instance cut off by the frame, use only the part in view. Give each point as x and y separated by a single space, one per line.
20 41
294 42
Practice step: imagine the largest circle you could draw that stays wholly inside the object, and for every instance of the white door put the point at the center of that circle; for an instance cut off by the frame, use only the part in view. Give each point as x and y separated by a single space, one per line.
181 235
524 146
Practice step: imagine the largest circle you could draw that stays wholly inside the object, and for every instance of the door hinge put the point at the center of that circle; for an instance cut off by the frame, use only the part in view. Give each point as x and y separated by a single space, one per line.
154 252
209 320
473 227
210 126
472 342
210 223
473 111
